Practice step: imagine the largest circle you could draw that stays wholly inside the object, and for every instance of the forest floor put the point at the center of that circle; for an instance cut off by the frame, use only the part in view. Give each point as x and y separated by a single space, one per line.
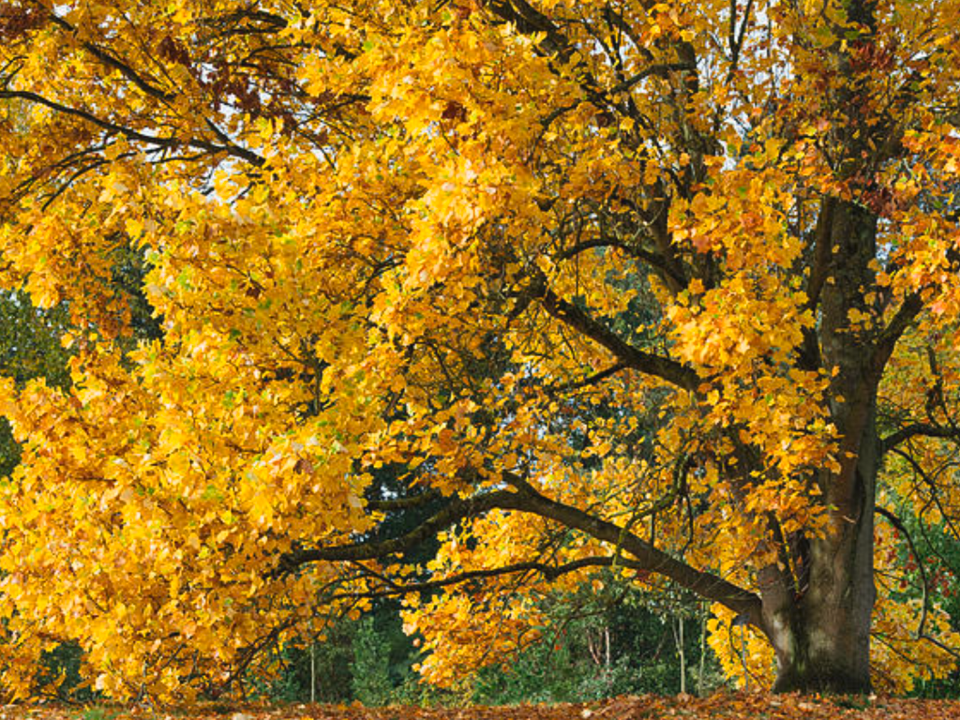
647 707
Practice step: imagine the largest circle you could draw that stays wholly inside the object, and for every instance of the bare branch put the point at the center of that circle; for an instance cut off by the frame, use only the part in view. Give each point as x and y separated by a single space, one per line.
525 498
589 380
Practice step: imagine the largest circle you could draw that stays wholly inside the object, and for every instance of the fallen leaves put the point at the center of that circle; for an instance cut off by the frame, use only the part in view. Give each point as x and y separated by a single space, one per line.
627 707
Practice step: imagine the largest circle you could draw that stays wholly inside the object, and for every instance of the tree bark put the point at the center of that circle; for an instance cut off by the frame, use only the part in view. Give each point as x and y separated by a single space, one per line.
822 634
825 647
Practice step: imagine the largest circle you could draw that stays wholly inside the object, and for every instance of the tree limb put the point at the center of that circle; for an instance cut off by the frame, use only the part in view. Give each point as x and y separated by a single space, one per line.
456 510
549 572
111 61
898 524
704 584
524 498
656 365
130 133
917 430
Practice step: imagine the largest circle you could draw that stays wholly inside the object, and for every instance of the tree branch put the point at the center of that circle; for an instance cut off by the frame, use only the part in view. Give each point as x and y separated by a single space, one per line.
654 260
915 430
131 134
704 584
524 498
589 380
632 357
549 572
456 510
404 503
660 70
888 337
117 64
898 524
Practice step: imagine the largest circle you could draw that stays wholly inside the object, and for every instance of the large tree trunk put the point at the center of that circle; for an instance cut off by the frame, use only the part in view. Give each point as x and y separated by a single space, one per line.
826 647
821 627
822 634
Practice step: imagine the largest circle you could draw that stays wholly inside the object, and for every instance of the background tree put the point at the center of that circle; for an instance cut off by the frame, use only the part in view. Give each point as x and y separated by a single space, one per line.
409 234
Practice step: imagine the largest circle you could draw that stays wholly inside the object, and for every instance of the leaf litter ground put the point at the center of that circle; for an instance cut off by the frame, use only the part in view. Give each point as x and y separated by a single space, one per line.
647 707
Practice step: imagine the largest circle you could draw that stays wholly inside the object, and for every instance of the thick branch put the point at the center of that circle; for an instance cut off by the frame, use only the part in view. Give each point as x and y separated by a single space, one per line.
704 584
917 430
654 260
889 336
457 510
656 365
862 402
529 20
589 380
822 251
526 499
660 70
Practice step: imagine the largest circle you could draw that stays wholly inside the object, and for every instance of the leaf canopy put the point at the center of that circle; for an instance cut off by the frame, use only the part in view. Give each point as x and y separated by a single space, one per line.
567 269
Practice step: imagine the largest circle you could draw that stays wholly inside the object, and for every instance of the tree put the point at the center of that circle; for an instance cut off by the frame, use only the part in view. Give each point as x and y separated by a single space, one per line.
420 235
